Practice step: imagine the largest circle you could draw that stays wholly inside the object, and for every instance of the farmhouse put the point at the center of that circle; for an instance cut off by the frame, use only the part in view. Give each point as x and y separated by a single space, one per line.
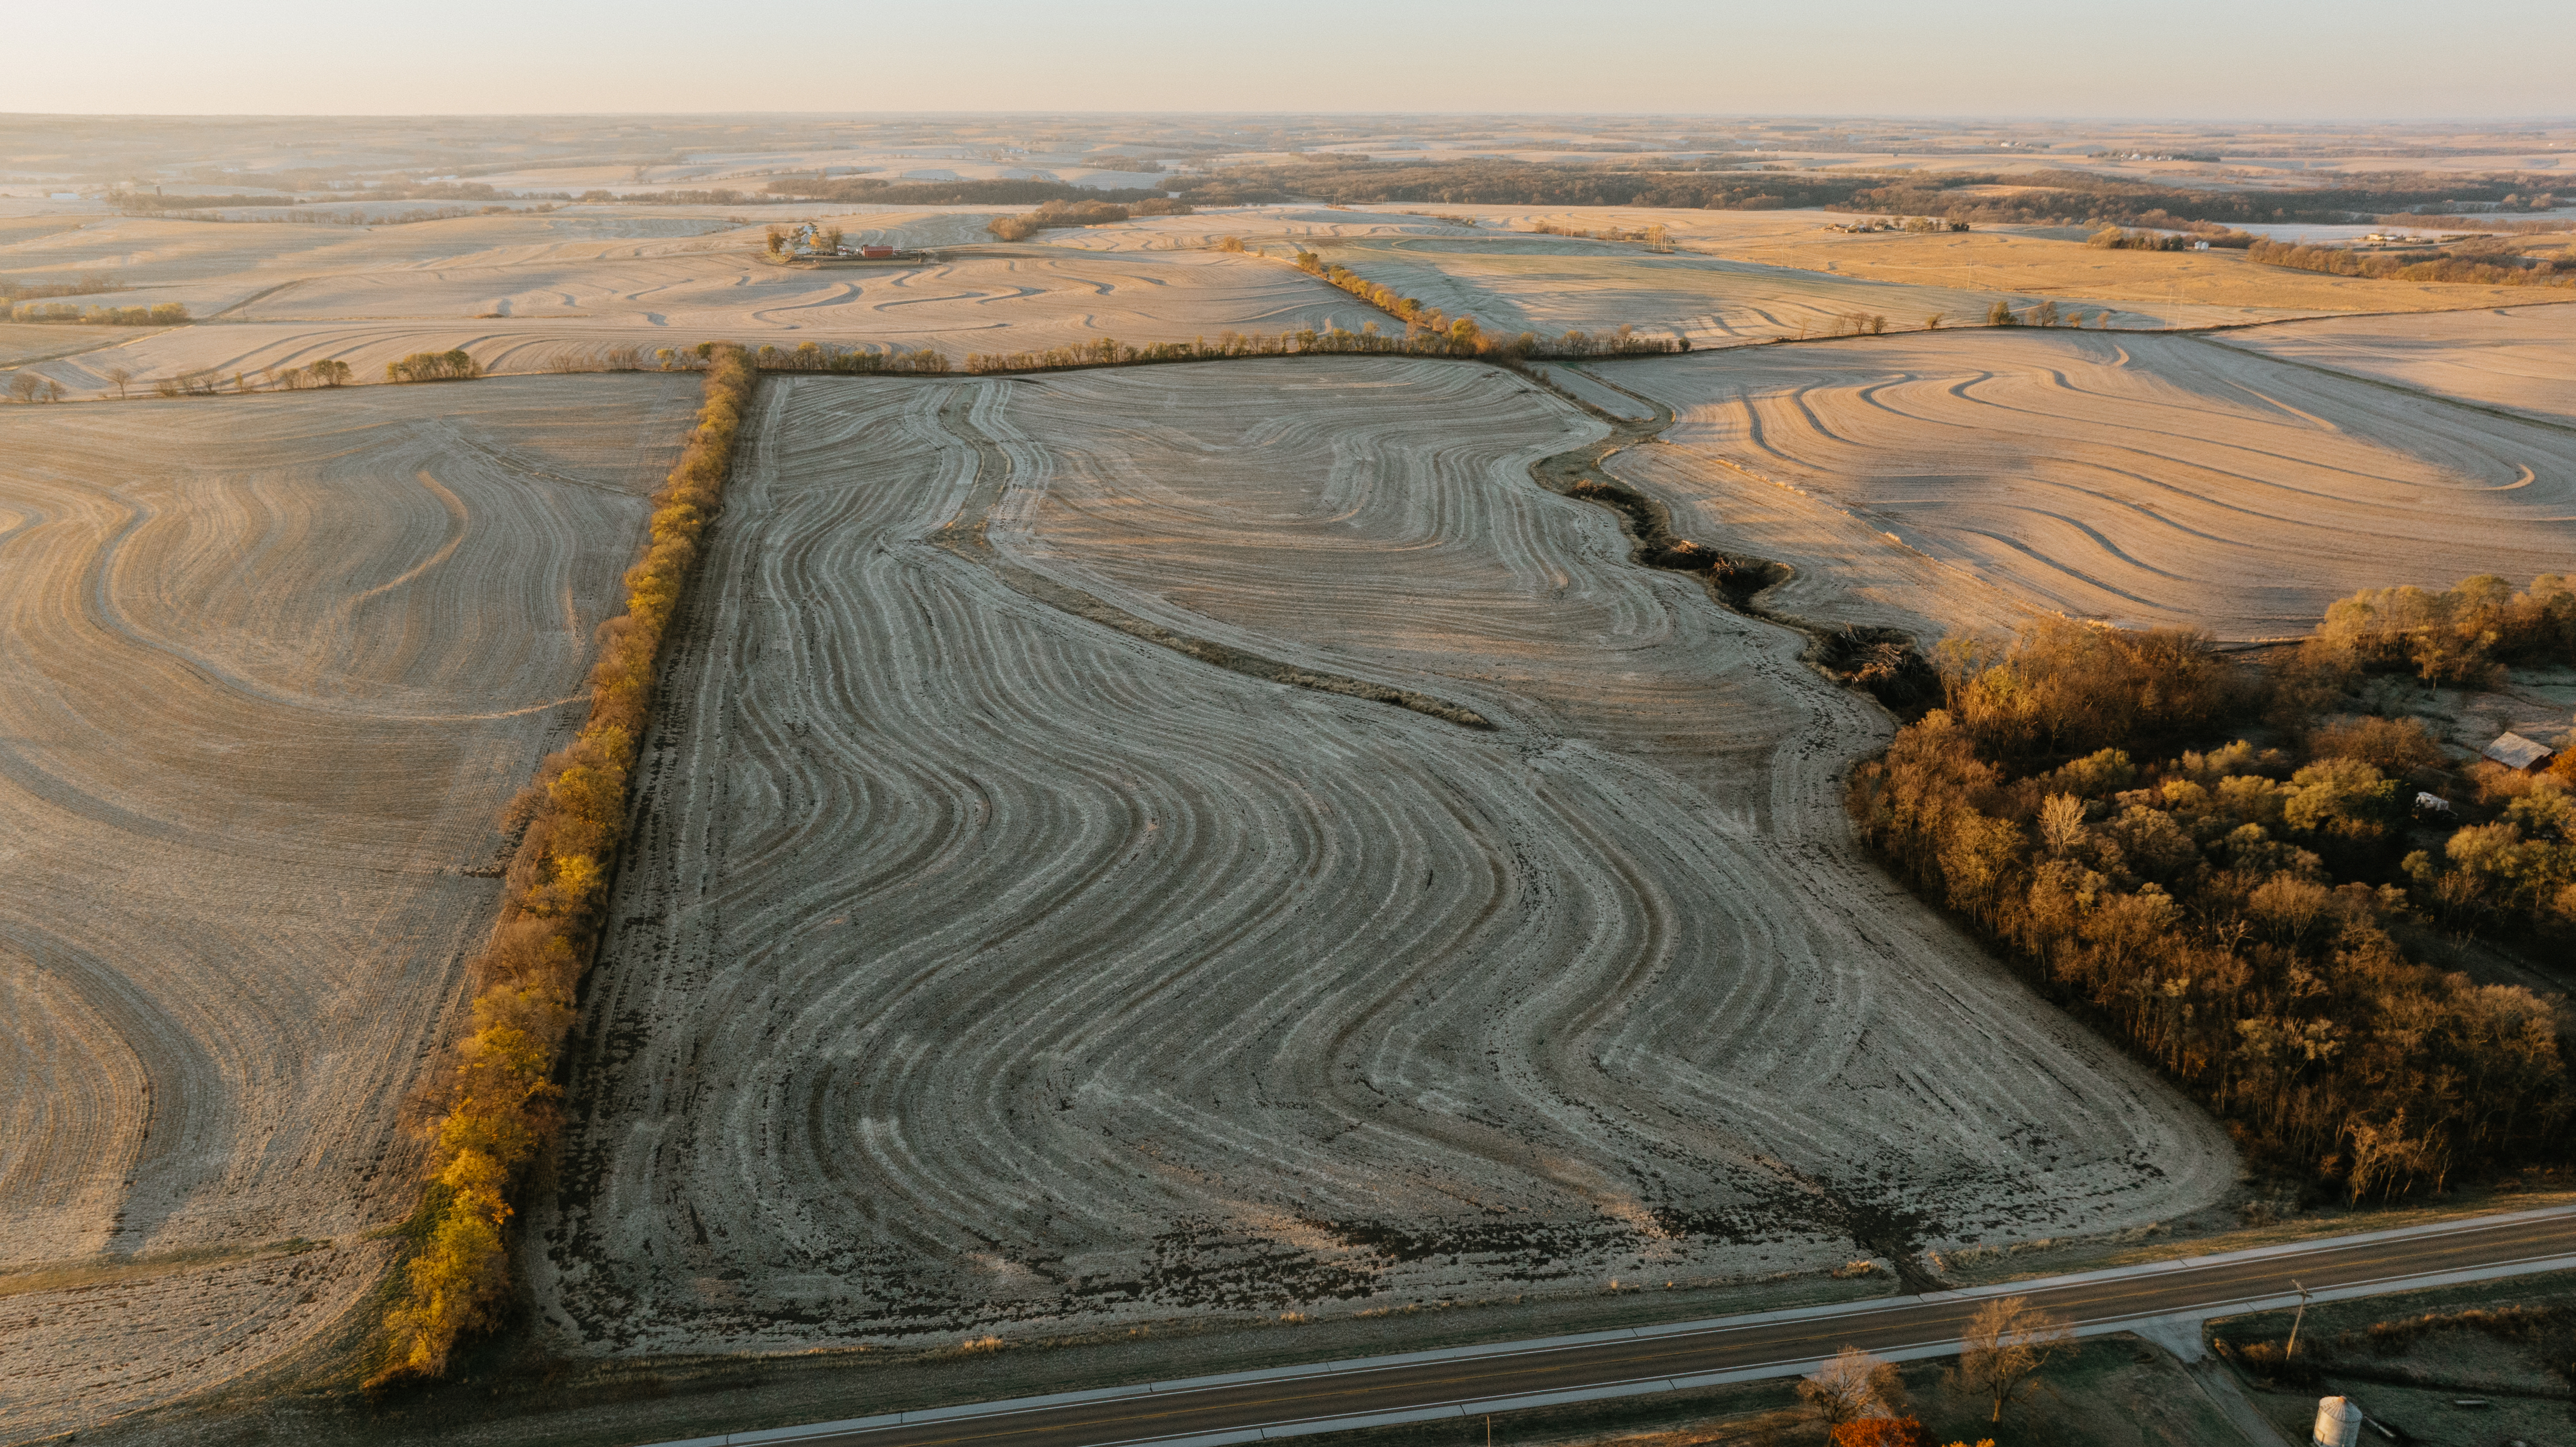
2516 752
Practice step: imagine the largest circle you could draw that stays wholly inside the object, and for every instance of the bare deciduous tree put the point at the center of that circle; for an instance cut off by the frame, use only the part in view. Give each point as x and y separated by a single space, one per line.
1852 1386
2004 1348
118 377
2061 822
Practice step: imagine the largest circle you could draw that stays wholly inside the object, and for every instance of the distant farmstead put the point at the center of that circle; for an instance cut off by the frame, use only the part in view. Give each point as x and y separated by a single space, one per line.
2516 752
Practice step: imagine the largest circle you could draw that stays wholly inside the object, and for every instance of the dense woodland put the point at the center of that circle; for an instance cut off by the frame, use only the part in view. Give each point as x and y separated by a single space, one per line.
870 191
2069 197
2491 263
1081 213
1358 181
2254 918
1727 184
2112 238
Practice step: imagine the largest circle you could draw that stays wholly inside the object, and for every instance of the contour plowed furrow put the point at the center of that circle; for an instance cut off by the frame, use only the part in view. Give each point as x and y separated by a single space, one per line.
977 963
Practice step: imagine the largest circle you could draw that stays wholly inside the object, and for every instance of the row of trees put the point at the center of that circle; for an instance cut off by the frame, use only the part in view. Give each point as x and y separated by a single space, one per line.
1094 212
208 381
27 385
499 1102
780 239
2113 238
815 357
2044 314
453 365
1108 352
1360 181
160 314
1861 1400
2062 197
1658 235
1427 329
869 190
2479 266
2234 915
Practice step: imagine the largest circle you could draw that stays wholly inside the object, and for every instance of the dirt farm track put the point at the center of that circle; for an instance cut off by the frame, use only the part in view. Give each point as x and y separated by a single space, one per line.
978 963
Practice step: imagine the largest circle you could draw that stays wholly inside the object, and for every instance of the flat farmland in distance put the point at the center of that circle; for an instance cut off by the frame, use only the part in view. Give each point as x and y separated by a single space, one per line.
1555 284
534 314
24 342
1256 226
212 266
273 664
2137 480
2179 288
2518 357
980 964
2026 264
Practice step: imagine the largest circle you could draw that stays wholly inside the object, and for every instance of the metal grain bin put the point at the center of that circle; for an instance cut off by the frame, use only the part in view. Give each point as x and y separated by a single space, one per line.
2338 1422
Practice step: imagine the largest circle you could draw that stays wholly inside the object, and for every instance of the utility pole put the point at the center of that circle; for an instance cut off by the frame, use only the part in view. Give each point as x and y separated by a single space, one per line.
2294 1324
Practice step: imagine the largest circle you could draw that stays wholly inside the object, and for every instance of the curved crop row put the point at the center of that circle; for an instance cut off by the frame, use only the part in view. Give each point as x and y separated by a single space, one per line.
499 1107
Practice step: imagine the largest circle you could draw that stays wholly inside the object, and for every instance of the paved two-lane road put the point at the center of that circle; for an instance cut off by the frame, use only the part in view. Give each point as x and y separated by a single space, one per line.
1510 1376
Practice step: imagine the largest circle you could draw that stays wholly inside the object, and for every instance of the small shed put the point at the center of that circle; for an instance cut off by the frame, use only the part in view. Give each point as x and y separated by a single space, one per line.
2516 752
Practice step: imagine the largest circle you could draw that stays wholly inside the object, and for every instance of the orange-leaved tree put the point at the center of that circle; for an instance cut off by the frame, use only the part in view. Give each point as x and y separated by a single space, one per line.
498 1106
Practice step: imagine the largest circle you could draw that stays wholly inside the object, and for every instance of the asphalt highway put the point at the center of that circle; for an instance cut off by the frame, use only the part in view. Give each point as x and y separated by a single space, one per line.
1507 1376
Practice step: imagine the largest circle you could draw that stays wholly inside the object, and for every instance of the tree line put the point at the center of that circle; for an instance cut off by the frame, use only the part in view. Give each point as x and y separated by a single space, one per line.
2112 238
2078 197
453 365
1359 181
209 381
2053 196
159 314
498 1104
2493 264
2252 920
869 190
1081 213
1861 1401
1437 334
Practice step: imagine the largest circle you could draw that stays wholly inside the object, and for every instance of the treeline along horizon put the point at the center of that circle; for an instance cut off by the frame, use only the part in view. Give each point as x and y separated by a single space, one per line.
1730 184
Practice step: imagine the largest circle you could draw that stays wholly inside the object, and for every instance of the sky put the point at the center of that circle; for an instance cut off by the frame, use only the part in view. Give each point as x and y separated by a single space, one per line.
2236 59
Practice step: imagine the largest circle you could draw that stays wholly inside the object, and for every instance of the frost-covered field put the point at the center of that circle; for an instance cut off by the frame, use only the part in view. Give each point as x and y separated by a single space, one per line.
2138 480
2521 357
978 964
525 293
272 666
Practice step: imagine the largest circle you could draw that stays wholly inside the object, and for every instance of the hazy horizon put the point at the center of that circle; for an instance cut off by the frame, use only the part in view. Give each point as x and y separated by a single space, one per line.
2198 60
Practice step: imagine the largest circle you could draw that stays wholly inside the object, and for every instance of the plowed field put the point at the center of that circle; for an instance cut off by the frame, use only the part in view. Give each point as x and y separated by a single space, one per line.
532 294
2139 480
2520 357
272 665
1026 926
